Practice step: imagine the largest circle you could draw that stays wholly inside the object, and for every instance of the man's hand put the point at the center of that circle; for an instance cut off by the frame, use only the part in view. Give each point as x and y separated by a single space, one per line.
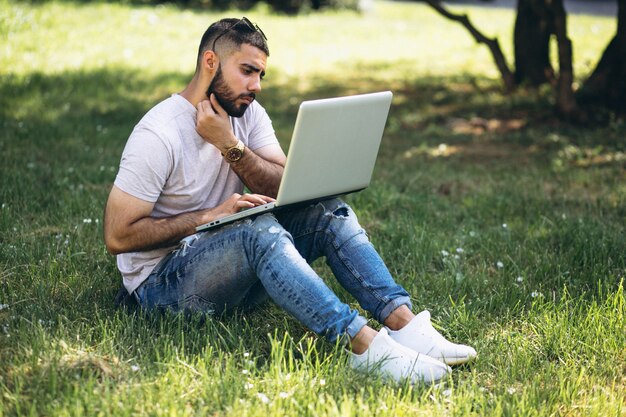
235 203
213 124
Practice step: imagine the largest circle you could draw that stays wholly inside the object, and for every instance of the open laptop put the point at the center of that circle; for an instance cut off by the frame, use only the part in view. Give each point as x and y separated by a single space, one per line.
332 152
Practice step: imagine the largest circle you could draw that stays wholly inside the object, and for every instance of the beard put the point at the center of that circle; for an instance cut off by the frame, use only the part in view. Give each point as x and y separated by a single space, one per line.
226 96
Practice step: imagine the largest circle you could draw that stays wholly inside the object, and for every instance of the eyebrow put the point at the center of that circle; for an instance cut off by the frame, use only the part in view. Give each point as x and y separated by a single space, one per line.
254 68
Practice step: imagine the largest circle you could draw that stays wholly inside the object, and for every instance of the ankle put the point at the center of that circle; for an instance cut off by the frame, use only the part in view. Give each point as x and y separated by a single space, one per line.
399 318
361 341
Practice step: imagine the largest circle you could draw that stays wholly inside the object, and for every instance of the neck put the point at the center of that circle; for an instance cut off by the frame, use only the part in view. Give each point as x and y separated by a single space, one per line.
195 92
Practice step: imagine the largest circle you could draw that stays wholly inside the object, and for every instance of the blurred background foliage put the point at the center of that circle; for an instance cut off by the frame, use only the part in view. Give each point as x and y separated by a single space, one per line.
281 6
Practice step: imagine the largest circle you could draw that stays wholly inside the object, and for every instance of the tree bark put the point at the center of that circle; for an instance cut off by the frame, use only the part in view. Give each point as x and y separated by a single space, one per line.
607 83
531 37
494 46
566 102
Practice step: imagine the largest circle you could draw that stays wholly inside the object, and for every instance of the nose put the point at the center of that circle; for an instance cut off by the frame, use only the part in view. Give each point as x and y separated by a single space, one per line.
255 84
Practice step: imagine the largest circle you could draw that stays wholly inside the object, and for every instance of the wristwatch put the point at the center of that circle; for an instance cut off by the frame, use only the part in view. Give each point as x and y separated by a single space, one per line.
235 153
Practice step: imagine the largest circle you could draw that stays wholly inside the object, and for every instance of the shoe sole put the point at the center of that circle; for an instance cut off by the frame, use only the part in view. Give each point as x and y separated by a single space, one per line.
457 360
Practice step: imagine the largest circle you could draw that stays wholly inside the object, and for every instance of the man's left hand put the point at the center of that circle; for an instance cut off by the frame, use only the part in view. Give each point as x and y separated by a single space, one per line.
213 124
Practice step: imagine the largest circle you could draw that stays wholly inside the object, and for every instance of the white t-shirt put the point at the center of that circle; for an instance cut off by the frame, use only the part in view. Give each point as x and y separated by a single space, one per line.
167 163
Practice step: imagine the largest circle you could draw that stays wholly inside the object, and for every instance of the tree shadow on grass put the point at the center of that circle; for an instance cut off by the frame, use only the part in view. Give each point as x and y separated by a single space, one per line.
62 137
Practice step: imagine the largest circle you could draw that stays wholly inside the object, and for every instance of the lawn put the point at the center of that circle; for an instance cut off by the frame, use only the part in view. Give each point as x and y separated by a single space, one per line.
504 222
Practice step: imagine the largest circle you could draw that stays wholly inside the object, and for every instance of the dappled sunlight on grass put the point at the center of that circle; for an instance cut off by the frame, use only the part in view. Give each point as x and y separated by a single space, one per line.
151 39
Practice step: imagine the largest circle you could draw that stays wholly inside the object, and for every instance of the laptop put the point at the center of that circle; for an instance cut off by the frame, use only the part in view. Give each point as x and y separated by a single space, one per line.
332 152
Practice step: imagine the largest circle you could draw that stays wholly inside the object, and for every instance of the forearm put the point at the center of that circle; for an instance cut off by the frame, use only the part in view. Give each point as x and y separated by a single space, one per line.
260 172
259 175
151 233
129 226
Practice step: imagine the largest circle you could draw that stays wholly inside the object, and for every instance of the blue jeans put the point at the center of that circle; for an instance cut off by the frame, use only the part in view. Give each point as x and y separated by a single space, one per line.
240 265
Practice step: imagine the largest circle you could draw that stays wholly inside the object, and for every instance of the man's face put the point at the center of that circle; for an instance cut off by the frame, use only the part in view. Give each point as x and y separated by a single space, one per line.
238 79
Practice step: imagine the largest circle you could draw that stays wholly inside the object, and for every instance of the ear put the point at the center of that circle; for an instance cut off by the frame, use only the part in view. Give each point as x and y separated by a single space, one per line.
210 61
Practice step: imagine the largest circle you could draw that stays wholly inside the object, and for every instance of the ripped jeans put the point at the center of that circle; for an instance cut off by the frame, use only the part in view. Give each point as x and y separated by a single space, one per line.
241 264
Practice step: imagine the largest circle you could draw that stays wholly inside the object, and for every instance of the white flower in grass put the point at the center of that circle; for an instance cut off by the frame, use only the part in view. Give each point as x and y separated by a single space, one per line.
3 306
472 233
245 372
505 226
246 354
445 253
87 221
536 294
322 382
263 398
519 279
459 250
135 368
283 394
248 385
499 264
511 390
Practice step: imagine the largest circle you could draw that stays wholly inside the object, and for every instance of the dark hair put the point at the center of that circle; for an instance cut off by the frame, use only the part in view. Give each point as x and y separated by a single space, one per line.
231 32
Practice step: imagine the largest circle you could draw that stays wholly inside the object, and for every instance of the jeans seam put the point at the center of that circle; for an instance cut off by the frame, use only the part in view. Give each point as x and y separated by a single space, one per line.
338 251
359 278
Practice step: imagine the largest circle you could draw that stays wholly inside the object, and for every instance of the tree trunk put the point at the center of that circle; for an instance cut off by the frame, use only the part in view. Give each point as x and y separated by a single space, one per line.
566 102
607 83
533 27
536 22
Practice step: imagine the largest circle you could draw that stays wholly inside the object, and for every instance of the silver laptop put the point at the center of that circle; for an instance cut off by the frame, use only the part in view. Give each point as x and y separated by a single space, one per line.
332 152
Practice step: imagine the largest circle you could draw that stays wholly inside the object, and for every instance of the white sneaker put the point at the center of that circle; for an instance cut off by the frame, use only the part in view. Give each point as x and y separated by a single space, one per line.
392 360
421 336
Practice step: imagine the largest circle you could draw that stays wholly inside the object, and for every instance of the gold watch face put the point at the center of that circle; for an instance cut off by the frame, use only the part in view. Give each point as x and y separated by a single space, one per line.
234 154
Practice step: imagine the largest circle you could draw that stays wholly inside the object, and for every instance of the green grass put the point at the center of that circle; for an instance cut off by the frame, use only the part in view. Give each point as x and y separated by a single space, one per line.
504 222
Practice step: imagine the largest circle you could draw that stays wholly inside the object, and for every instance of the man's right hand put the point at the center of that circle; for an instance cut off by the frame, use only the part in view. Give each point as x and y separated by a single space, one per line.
236 203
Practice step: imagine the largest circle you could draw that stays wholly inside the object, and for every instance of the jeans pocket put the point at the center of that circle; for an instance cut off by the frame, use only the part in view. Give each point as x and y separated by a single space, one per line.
151 299
196 304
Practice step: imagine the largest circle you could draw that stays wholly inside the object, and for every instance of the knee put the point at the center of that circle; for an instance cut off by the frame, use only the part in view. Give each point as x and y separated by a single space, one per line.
342 221
336 208
266 240
266 230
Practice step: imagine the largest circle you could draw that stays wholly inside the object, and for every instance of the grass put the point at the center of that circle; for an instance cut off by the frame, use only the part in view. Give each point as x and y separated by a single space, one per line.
504 222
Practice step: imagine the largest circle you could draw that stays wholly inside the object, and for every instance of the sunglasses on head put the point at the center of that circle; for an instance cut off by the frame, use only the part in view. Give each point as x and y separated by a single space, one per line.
243 21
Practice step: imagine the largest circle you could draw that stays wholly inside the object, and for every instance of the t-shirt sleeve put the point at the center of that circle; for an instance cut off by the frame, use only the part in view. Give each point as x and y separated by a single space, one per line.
262 132
145 165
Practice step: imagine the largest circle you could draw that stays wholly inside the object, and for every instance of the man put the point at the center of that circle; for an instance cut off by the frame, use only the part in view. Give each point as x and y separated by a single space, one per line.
186 163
